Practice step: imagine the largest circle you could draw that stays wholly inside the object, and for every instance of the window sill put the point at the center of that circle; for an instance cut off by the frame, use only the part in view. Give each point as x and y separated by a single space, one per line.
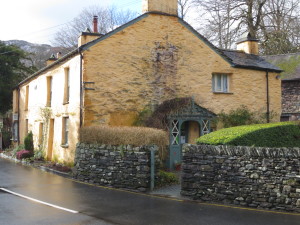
64 146
227 93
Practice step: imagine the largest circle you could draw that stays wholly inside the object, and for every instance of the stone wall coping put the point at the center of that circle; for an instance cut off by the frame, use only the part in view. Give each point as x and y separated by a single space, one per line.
118 147
257 152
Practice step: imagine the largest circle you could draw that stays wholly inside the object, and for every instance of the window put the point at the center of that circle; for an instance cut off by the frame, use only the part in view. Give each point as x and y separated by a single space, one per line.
65 133
27 98
220 83
49 91
41 132
67 86
26 126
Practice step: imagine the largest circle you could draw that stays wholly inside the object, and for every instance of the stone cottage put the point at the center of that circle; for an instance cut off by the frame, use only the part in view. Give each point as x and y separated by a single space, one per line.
156 57
290 63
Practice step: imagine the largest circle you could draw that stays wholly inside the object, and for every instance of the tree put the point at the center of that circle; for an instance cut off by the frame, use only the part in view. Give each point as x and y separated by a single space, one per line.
230 18
183 8
108 19
219 23
280 28
275 22
12 71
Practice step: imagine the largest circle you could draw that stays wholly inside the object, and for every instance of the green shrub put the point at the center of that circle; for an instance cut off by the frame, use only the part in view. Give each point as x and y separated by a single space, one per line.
23 154
17 149
39 155
28 142
166 178
136 136
286 134
242 116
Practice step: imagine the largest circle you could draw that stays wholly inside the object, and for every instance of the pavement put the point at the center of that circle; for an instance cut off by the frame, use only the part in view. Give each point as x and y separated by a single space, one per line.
102 205
172 191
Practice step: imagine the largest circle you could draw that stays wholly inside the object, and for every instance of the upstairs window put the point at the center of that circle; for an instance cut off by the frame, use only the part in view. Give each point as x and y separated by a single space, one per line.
49 91
220 83
67 86
65 131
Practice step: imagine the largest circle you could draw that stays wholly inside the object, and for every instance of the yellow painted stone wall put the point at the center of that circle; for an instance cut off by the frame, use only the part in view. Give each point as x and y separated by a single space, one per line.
157 59
37 100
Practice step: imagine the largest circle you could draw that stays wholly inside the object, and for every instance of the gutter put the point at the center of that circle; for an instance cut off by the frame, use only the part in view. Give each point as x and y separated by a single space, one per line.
18 139
81 87
268 97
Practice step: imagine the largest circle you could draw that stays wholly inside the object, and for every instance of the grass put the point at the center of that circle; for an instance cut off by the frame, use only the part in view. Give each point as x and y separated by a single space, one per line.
285 134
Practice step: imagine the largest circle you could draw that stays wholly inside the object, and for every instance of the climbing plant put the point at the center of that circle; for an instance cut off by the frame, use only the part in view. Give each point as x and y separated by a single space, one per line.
159 117
45 114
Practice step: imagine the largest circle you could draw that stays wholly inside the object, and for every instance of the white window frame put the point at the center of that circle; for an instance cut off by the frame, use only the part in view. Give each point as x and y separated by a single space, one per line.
224 79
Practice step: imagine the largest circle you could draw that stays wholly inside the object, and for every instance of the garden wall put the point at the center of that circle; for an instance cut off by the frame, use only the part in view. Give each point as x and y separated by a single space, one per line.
246 176
121 166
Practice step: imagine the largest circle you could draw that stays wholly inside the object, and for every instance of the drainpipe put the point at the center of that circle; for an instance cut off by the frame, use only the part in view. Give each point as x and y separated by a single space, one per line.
268 100
81 88
18 116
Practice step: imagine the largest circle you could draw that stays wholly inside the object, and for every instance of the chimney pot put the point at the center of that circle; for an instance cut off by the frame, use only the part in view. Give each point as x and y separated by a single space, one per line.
95 22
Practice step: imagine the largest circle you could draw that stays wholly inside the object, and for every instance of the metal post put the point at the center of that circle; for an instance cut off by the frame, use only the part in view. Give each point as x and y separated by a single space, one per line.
152 168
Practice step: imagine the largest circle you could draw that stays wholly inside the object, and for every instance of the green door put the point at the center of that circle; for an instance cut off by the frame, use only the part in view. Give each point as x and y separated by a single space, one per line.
175 145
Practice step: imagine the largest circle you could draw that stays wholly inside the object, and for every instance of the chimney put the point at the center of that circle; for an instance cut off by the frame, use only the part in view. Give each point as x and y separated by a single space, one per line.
248 44
88 35
51 60
162 6
58 55
95 22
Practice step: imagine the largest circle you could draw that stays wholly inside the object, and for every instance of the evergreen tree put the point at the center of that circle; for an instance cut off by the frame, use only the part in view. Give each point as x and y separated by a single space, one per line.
12 71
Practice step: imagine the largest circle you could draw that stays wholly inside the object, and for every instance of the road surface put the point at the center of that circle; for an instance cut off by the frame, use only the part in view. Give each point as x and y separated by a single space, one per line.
89 204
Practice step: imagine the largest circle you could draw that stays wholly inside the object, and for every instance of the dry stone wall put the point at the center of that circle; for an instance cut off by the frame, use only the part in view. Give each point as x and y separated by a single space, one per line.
246 176
123 167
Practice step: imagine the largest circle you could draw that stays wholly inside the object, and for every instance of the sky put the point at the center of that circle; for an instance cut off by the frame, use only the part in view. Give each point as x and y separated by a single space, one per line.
36 21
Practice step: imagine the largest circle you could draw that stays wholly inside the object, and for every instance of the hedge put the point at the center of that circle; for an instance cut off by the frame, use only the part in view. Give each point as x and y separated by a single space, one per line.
135 136
284 134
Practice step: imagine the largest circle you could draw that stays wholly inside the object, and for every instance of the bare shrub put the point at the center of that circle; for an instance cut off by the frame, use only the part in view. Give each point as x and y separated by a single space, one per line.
135 136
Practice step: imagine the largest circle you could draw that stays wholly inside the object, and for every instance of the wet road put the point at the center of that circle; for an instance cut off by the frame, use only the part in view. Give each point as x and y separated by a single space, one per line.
98 205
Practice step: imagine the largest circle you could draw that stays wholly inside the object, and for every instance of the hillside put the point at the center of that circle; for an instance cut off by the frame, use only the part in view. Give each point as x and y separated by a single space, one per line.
39 52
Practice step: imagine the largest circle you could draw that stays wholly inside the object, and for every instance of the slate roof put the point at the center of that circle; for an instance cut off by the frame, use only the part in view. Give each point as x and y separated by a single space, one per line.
240 59
290 62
